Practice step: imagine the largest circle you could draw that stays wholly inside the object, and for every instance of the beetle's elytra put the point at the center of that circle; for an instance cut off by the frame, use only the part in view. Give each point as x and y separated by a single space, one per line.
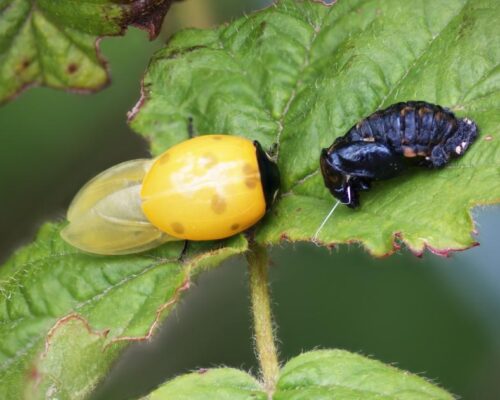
386 142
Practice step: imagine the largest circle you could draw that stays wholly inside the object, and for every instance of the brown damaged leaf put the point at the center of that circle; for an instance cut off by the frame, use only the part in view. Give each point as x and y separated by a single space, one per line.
56 44
148 15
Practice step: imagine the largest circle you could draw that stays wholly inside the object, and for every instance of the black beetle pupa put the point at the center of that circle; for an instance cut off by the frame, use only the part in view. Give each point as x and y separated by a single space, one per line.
386 142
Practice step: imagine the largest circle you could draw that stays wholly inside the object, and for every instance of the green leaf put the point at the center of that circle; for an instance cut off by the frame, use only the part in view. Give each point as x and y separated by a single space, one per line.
66 315
220 384
56 43
300 74
321 374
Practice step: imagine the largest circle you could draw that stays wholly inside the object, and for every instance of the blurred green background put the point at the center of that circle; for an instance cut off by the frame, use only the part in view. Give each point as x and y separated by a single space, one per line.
432 316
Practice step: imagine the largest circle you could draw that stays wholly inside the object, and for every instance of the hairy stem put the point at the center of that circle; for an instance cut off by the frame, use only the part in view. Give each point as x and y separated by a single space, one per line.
261 309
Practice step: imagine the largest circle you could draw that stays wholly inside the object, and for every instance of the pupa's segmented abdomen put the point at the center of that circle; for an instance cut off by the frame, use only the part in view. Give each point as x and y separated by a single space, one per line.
411 129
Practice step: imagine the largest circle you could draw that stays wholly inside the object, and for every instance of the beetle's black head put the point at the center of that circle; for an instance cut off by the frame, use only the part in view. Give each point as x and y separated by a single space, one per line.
339 183
269 175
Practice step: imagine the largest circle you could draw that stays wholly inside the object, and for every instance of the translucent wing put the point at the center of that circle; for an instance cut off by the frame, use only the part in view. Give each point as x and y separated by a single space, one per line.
106 217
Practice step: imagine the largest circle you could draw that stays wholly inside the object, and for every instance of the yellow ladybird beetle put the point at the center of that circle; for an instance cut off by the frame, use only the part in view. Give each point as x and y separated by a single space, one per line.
206 188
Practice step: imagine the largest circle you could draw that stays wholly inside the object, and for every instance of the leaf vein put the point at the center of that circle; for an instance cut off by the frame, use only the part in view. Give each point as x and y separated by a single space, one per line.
281 121
421 55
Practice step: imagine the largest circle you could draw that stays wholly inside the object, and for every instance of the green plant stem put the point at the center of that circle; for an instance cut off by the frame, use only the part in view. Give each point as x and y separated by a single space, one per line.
261 309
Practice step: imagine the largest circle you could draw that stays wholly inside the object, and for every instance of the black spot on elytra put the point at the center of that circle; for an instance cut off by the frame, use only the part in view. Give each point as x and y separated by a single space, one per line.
177 227
251 182
218 204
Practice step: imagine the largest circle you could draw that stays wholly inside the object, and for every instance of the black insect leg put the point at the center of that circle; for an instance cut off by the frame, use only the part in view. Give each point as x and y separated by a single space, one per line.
352 195
273 150
184 250
190 127
360 183
364 184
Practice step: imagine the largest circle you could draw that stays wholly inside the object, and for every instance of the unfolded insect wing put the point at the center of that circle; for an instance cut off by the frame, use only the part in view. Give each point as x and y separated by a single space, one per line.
121 176
106 215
